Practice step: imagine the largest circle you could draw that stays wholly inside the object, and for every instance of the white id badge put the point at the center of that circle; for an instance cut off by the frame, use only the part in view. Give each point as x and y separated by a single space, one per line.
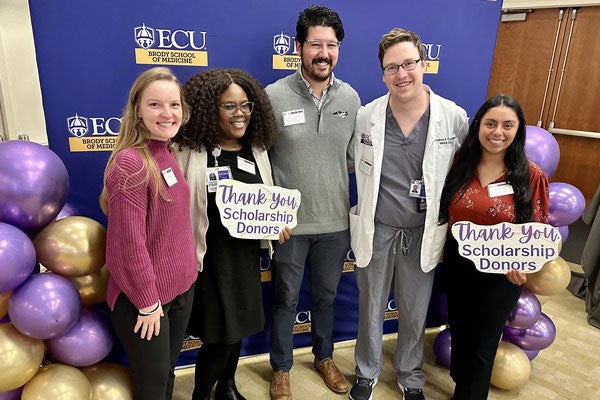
416 188
246 165
169 176
365 166
293 117
213 175
499 189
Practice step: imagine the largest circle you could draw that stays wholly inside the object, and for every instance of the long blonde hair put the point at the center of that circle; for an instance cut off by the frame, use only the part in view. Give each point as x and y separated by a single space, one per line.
133 133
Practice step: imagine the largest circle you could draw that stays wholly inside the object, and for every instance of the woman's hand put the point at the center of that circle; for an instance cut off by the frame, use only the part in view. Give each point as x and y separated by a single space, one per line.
149 324
516 277
284 234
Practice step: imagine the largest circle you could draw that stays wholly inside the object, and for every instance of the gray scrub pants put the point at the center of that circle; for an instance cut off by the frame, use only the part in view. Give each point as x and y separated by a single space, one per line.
396 259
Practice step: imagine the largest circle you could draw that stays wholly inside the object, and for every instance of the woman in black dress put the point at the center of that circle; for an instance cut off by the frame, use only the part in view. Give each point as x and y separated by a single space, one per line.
231 128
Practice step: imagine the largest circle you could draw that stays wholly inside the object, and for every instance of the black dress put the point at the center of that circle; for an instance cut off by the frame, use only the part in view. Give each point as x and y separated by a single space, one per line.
228 294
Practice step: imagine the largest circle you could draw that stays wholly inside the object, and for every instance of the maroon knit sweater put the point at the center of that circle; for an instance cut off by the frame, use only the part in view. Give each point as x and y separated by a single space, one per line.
150 251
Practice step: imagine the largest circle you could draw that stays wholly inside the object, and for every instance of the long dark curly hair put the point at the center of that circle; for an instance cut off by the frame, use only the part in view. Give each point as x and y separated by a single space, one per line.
468 156
202 93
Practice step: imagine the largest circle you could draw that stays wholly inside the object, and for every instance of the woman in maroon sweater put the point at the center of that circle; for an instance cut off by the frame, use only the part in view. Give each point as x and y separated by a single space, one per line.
150 251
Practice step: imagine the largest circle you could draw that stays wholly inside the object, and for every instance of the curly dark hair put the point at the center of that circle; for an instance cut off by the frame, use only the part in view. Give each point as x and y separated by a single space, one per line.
468 156
202 93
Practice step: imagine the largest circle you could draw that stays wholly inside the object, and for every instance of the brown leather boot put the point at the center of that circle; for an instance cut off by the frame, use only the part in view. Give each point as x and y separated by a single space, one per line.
331 375
280 386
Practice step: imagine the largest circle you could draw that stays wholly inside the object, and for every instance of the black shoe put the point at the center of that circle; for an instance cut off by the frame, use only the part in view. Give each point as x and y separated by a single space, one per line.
226 390
413 394
362 389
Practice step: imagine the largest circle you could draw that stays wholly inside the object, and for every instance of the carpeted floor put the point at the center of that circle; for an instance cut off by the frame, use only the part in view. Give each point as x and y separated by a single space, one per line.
568 369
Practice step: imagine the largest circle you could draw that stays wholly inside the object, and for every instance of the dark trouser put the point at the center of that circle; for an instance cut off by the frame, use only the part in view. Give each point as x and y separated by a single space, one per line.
153 361
214 362
478 307
325 254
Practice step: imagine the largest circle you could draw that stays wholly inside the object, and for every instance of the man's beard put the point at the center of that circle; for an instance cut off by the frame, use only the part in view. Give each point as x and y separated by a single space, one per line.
318 76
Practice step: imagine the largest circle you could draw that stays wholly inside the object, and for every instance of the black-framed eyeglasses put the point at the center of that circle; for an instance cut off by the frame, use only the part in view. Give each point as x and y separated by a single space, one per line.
407 66
317 44
231 108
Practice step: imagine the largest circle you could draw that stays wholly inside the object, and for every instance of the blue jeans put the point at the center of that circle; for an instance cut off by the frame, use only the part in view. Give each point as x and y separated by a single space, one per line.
325 254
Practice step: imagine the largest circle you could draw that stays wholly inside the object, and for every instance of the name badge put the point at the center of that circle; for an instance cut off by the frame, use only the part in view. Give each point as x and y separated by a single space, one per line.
246 165
213 175
365 166
293 117
416 188
445 142
169 176
500 189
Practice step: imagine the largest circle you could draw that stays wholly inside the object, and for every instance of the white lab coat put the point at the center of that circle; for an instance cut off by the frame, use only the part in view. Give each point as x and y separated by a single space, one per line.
447 129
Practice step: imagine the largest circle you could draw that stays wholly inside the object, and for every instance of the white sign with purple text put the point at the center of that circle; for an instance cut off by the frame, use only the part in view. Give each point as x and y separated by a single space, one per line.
503 247
256 211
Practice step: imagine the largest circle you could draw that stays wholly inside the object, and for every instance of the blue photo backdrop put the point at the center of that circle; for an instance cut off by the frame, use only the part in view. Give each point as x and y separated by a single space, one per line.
89 53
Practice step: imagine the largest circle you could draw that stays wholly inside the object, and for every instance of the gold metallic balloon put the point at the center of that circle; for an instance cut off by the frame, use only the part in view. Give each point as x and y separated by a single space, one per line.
511 367
92 287
58 381
542 299
110 381
72 246
4 303
552 279
20 357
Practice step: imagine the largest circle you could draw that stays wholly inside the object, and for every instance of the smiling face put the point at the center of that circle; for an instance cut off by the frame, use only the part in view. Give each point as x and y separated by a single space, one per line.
404 86
318 63
234 123
497 130
160 109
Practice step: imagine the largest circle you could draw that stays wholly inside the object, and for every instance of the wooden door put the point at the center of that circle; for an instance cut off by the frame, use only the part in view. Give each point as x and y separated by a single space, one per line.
529 66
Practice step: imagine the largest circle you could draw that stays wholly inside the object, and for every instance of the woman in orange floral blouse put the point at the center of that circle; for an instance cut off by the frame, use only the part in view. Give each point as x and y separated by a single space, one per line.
479 303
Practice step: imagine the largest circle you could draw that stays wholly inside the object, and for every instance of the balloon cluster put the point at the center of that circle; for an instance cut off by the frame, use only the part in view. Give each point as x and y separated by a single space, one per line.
566 201
528 330
53 337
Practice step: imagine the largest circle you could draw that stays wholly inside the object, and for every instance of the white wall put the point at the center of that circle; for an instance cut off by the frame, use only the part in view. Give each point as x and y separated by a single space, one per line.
547 3
21 110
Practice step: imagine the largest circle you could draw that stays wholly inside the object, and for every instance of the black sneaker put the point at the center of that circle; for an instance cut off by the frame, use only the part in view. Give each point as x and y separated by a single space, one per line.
413 394
362 389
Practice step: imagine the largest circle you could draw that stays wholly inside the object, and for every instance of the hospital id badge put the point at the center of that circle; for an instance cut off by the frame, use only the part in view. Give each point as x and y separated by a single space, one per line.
416 188
213 175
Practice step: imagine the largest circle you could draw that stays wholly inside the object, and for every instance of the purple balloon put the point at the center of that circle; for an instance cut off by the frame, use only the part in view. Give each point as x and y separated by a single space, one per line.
86 343
44 306
531 354
442 348
17 257
12 394
68 210
564 232
538 337
566 204
542 148
34 185
526 312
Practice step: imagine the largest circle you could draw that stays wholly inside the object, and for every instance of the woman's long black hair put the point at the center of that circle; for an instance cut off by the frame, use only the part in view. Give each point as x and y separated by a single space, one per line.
468 156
